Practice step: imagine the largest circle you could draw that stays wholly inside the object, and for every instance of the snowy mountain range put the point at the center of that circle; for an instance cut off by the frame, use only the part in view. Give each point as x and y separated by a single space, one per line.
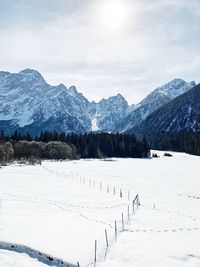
152 102
29 103
108 113
181 114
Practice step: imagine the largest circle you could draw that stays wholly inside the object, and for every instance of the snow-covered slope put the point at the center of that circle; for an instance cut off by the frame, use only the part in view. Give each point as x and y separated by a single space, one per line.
58 208
13 259
153 101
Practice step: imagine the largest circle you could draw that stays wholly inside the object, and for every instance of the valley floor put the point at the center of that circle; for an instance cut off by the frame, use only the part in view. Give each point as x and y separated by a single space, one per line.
61 208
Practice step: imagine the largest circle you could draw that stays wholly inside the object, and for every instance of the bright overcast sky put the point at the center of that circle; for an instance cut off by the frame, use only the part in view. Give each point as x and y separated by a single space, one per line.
103 46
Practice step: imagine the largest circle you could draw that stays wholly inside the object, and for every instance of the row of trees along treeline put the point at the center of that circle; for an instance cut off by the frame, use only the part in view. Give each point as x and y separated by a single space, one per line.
188 142
54 145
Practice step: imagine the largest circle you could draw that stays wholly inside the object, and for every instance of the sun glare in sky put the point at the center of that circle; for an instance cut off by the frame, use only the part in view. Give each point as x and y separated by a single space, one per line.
114 14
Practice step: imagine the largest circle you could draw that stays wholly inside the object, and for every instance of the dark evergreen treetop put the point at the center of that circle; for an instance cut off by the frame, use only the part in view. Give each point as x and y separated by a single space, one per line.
87 145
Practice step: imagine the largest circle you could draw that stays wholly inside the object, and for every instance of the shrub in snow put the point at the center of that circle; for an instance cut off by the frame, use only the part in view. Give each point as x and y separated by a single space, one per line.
168 155
6 153
154 155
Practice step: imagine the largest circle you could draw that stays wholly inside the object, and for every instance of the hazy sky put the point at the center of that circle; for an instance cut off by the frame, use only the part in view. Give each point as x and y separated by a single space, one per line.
103 46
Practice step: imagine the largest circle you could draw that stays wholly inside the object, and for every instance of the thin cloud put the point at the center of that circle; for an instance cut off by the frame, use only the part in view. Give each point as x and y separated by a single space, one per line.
66 41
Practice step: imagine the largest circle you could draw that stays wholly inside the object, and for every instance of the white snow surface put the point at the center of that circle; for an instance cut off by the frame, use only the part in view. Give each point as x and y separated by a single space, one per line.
94 124
45 207
13 259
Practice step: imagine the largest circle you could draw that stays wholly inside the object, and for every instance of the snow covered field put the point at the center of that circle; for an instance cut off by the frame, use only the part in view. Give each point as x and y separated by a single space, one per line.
59 209
13 259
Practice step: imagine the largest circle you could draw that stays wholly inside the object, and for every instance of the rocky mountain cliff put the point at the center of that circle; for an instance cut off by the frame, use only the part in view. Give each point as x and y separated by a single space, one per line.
29 103
181 114
152 102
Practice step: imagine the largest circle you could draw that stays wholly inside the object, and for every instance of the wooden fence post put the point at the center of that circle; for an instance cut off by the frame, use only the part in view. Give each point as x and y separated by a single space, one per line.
122 221
78 265
138 201
121 193
114 190
115 231
135 198
95 253
106 235
107 188
128 214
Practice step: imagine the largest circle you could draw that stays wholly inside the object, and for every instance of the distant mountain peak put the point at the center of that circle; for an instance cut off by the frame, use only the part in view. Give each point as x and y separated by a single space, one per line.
115 98
175 88
28 70
177 80
72 89
180 114
120 96
157 98
29 103
62 86
32 74
4 72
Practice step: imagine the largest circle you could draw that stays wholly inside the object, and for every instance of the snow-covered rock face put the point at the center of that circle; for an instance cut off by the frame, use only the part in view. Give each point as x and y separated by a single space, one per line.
108 112
180 114
173 89
159 97
29 103
27 100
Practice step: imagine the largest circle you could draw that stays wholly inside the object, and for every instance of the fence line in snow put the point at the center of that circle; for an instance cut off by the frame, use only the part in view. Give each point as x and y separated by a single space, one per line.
116 230
92 183
107 189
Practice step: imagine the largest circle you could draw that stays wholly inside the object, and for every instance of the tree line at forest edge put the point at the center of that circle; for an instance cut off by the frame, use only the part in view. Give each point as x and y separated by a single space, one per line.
188 142
54 145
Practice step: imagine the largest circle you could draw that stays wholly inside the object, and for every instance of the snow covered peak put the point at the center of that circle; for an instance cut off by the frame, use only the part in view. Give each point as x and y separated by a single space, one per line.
28 71
175 81
171 86
72 89
168 92
4 73
62 87
31 75
175 88
159 97
26 99
120 97
117 99
107 113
